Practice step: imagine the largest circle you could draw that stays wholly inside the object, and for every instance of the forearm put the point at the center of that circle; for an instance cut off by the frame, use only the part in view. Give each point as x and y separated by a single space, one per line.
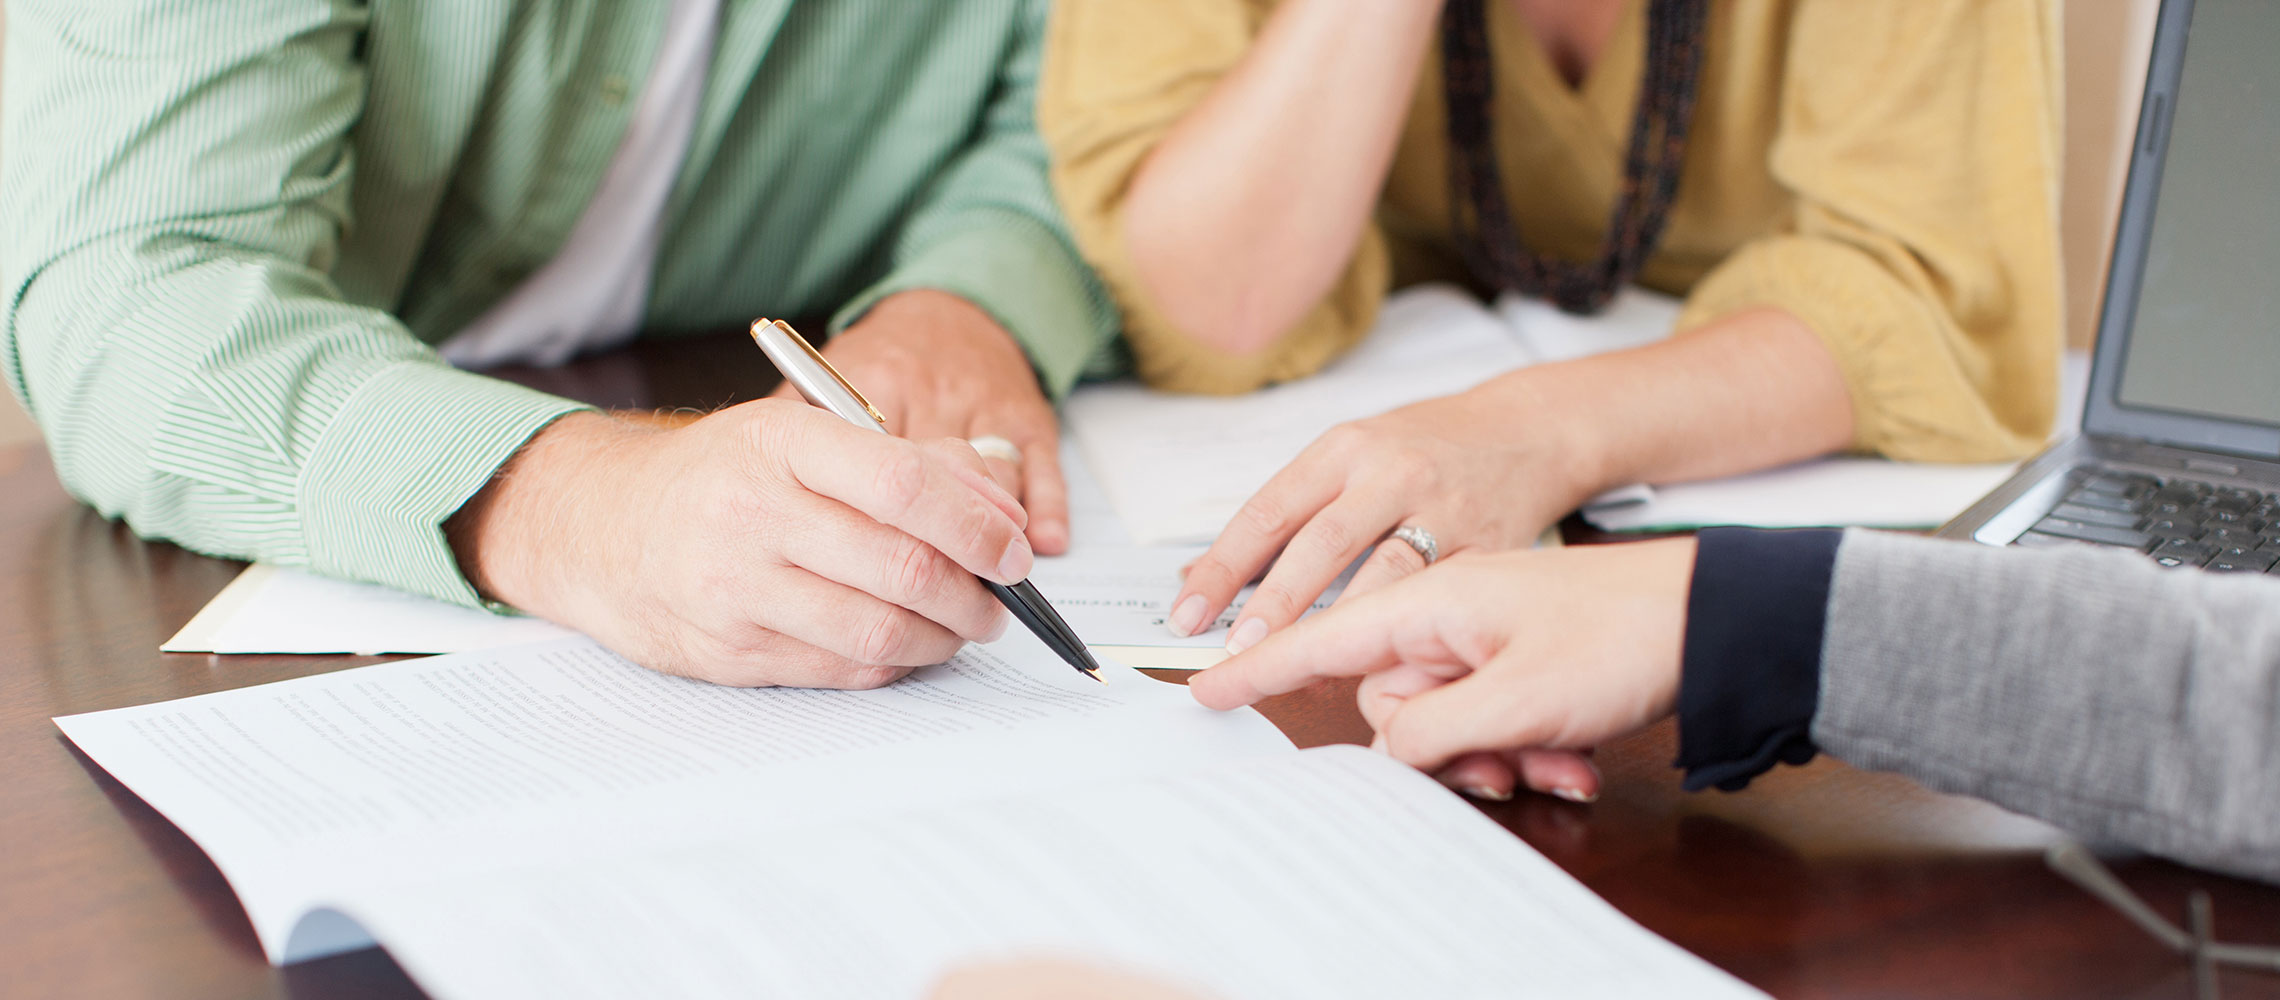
230 407
172 323
1275 174
2120 701
1748 392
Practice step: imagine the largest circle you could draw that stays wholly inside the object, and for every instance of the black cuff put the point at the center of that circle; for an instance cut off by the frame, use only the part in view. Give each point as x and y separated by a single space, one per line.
1751 678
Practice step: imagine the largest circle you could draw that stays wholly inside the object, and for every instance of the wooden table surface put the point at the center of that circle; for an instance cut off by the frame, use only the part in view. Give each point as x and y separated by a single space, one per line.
1817 881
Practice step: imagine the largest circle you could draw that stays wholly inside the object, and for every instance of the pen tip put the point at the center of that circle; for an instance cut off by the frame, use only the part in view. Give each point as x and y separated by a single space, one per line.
1086 665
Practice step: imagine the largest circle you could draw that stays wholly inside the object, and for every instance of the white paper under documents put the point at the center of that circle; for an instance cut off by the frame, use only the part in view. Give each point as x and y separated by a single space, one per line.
1178 467
551 821
273 609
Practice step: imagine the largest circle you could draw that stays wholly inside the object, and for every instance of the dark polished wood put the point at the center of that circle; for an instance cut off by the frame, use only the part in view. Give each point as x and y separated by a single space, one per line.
1817 881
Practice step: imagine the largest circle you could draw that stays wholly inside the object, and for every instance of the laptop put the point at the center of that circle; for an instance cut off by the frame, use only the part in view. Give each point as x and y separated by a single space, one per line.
2178 452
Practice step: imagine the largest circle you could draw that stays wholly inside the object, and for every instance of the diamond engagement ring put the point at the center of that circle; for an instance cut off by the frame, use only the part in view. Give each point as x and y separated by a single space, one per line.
1428 548
993 446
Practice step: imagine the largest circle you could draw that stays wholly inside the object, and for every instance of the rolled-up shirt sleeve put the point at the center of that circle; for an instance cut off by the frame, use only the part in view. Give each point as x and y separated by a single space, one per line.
1920 139
176 182
1750 677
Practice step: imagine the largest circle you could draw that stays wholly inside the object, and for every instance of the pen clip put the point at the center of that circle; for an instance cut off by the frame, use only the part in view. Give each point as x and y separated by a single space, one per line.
821 364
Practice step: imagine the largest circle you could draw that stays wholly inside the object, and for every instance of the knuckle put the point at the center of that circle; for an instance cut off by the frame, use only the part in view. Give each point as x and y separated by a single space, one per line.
989 528
883 640
772 426
1274 600
1347 438
1411 467
748 663
935 647
905 367
1211 574
1331 535
900 482
1397 556
1264 515
914 571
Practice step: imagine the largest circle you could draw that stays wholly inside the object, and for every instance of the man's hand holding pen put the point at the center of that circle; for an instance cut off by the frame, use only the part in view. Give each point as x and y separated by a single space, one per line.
768 543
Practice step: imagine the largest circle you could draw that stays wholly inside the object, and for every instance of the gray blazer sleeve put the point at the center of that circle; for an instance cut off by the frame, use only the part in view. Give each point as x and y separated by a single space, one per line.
2124 702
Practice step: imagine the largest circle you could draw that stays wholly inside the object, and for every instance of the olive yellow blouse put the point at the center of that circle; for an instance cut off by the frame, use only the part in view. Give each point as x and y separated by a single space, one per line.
1884 170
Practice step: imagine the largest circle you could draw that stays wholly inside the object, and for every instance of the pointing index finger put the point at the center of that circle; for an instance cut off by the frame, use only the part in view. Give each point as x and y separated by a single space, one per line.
1351 638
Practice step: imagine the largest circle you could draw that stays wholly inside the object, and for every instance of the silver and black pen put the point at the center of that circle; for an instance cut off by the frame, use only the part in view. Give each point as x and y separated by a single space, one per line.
822 385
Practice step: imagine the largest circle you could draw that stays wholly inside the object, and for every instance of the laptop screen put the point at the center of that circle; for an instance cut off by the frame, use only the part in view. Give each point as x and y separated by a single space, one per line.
2206 335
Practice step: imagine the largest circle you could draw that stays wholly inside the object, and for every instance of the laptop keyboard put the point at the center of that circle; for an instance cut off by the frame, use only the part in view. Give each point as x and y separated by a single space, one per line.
2177 521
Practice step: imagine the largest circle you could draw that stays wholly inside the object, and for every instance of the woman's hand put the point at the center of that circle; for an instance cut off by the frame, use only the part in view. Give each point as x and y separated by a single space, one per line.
1488 469
1478 470
1531 657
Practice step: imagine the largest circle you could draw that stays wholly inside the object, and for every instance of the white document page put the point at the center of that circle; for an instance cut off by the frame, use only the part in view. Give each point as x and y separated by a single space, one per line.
1178 467
1092 518
1333 873
1828 492
273 609
326 788
1635 317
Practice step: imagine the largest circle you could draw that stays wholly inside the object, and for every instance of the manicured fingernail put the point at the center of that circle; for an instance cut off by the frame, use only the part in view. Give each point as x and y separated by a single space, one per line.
1247 634
1188 616
1485 793
1574 795
1013 563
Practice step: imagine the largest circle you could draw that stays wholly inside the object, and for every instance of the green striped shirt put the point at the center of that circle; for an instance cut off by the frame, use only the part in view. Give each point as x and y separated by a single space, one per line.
234 227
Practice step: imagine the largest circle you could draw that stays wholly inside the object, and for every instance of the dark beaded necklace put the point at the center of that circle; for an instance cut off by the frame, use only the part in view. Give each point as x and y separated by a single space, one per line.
1480 218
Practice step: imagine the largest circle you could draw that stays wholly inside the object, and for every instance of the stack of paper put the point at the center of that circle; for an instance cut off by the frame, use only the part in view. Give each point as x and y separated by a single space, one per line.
271 609
551 821
1177 467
